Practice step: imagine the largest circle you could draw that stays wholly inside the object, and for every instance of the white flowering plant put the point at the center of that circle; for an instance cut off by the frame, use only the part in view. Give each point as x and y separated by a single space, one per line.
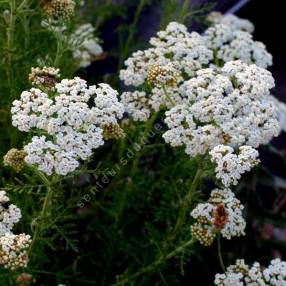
129 162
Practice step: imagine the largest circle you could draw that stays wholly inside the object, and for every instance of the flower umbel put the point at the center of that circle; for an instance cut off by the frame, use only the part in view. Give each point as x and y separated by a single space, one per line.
222 213
241 274
71 120
229 166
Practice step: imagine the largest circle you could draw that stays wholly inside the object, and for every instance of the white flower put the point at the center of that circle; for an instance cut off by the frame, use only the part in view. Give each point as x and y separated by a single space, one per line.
49 157
174 54
230 166
13 250
241 274
30 111
281 112
229 45
230 106
232 21
222 212
86 47
9 214
136 104
275 273
72 122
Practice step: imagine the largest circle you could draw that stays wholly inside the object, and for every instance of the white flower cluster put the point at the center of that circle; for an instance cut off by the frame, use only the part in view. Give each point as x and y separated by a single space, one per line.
241 274
230 166
9 214
275 273
222 212
174 48
229 39
229 44
230 106
13 248
85 46
281 112
232 21
70 123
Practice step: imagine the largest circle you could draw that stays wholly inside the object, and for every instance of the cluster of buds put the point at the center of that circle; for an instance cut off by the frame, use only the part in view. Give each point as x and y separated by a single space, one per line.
13 250
203 234
113 131
162 76
45 77
59 9
15 159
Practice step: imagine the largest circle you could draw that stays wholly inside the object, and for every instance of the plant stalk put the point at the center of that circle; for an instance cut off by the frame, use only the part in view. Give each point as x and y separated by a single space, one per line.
186 200
45 208
10 43
219 252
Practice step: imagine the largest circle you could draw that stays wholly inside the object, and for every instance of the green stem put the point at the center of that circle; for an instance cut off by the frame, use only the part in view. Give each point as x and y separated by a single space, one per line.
45 208
216 59
219 252
184 11
168 96
22 5
148 127
186 201
184 208
131 32
59 52
100 19
10 43
156 263
136 160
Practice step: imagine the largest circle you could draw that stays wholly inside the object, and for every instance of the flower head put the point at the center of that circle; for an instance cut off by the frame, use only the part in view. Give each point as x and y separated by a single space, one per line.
230 166
85 46
232 21
59 9
9 214
241 274
230 106
222 213
229 45
71 123
174 54
13 250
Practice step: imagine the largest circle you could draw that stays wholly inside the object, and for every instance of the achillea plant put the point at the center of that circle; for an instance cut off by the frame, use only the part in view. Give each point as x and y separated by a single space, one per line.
121 184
